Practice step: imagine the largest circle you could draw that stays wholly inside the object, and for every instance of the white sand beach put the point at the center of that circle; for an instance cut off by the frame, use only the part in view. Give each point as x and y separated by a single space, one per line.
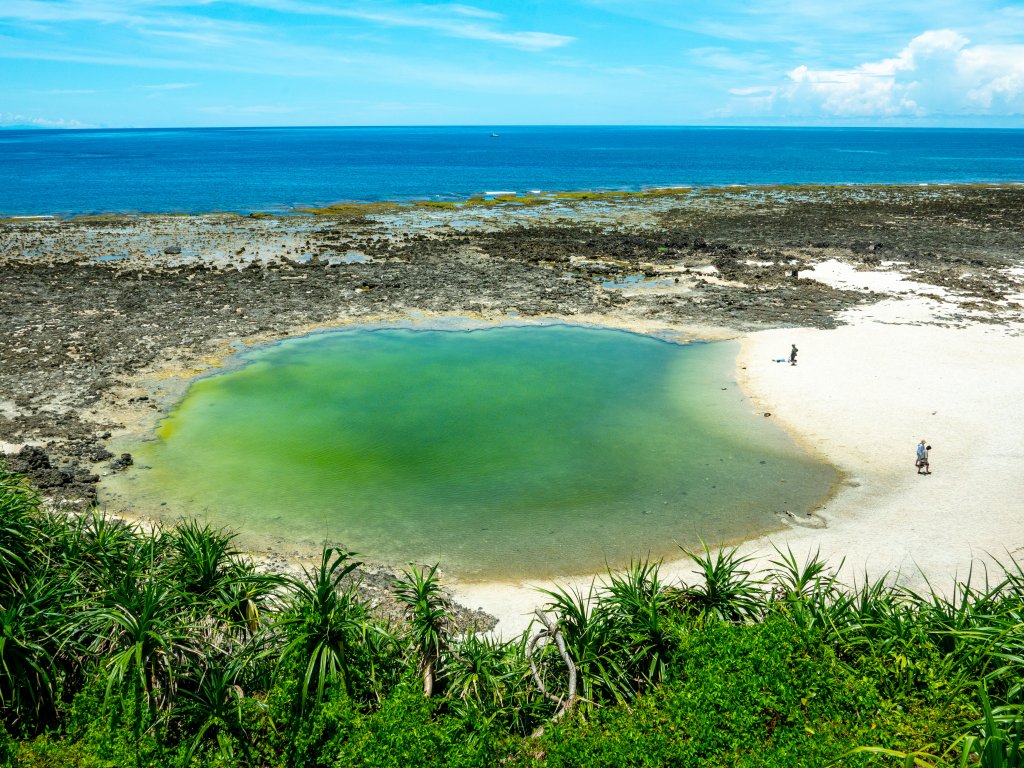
862 396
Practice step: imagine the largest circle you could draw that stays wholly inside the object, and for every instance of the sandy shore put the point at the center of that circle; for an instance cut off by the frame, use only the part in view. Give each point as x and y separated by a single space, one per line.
907 311
862 396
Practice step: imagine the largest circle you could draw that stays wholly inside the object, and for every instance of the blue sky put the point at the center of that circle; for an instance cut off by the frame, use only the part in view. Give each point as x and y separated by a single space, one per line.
168 63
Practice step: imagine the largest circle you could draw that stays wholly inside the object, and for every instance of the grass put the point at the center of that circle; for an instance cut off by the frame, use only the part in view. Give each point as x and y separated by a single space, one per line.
125 647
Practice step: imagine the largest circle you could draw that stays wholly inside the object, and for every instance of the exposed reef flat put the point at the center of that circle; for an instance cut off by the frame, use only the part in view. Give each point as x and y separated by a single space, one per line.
107 318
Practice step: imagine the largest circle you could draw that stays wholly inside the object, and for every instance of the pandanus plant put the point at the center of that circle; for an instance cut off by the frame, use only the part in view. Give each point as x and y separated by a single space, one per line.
18 501
219 583
324 624
429 620
485 674
618 635
138 630
212 705
726 589
31 633
202 558
600 663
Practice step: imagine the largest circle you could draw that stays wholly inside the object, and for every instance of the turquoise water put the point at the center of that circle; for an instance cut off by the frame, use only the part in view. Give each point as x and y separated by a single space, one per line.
197 170
502 453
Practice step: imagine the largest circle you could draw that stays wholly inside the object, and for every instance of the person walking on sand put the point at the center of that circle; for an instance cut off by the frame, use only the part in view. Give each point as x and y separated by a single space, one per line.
922 458
792 355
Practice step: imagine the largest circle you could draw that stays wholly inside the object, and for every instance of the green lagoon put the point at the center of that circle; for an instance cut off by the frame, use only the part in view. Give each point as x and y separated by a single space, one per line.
502 452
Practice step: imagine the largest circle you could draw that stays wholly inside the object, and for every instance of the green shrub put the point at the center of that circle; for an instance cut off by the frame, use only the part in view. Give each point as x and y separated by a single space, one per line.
124 648
406 731
739 695
8 748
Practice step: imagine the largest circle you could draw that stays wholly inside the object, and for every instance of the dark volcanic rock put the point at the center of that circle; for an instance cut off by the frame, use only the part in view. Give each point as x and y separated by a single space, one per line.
68 483
121 462
51 477
97 453
29 460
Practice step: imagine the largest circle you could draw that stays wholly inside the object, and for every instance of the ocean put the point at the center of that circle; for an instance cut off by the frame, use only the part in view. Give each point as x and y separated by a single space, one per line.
74 172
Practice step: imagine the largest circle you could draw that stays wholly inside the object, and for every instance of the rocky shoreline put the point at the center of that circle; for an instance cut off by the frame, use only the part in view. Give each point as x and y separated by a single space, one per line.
96 308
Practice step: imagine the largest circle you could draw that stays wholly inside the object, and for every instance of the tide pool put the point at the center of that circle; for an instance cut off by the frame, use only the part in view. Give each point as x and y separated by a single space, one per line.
504 452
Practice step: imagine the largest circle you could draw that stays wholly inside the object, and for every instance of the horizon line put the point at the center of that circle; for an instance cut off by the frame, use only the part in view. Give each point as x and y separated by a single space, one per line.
697 126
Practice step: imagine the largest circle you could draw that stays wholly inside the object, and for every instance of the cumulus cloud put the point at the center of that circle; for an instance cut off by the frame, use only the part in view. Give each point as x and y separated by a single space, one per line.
939 73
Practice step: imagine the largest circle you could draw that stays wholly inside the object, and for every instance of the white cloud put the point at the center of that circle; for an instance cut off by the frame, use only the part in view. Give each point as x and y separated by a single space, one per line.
10 119
253 109
168 86
125 13
451 20
727 60
457 25
939 73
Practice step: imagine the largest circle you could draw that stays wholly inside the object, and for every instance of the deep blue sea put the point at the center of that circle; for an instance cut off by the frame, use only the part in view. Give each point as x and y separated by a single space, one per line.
279 169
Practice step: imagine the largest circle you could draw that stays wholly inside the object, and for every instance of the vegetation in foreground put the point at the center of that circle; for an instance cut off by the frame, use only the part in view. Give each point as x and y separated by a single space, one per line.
125 648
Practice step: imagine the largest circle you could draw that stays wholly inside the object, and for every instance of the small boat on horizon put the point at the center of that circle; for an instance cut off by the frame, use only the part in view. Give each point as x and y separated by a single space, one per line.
494 135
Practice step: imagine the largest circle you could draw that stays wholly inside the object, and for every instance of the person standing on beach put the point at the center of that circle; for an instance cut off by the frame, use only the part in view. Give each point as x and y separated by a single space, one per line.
922 458
792 355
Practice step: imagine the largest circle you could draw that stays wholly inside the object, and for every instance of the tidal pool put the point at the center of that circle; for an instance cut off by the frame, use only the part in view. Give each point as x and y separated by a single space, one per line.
503 452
